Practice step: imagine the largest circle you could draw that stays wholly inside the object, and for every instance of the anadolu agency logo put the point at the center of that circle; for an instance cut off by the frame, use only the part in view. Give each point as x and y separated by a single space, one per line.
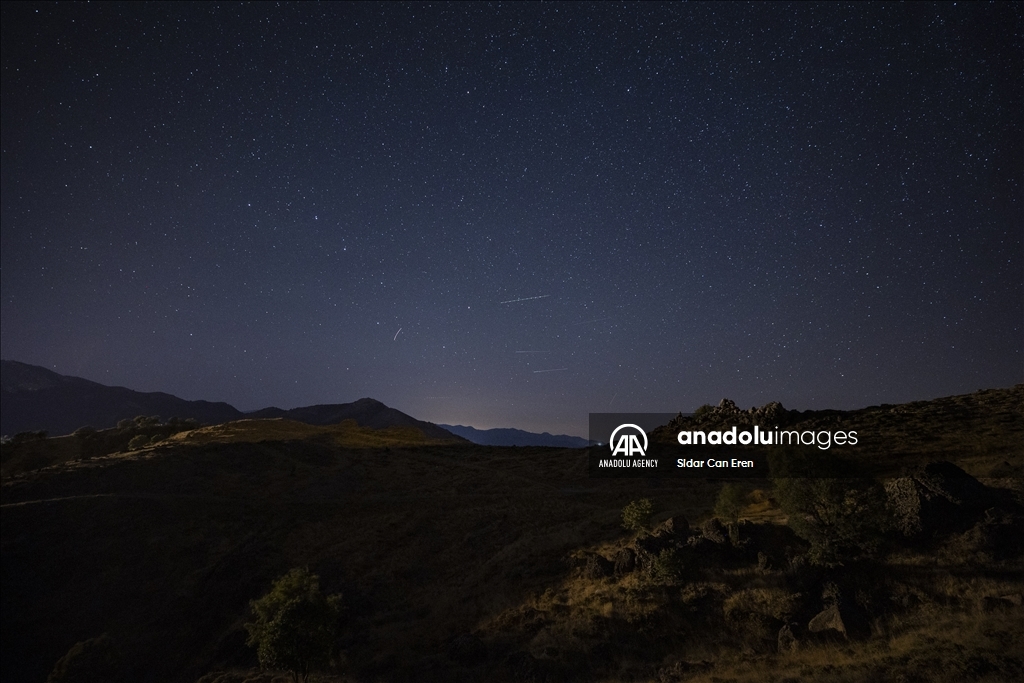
627 443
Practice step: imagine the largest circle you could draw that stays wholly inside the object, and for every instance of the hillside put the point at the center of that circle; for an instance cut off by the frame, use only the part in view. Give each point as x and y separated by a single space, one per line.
469 563
366 411
515 437
34 399
37 399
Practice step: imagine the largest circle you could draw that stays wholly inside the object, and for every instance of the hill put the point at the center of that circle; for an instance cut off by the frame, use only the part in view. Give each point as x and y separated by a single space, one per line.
515 437
37 399
366 412
461 562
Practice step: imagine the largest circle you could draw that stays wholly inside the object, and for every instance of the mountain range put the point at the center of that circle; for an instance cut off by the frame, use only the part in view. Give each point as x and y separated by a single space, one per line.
38 399
515 437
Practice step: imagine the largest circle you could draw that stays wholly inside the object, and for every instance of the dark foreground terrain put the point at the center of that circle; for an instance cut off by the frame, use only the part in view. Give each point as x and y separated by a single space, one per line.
470 563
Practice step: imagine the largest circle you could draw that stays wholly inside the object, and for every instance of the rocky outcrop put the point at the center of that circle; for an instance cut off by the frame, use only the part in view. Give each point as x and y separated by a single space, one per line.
826 620
677 525
939 498
625 561
714 531
787 641
597 567
727 413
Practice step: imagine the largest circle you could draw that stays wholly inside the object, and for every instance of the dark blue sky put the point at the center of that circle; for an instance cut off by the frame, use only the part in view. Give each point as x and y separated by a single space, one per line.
558 208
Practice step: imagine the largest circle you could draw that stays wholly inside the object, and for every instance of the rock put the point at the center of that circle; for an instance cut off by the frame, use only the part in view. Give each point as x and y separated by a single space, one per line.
728 407
625 561
714 530
673 526
787 641
937 499
827 619
682 671
597 567
1013 598
770 414
648 548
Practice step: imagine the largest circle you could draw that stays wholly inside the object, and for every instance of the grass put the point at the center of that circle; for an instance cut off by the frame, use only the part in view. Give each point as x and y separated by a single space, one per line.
163 547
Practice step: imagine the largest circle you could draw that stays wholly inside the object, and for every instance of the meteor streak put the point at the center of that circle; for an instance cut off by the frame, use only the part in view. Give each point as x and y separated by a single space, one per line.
551 370
396 334
527 298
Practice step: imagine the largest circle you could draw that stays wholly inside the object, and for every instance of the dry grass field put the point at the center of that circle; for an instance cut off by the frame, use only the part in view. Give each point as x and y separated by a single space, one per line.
466 563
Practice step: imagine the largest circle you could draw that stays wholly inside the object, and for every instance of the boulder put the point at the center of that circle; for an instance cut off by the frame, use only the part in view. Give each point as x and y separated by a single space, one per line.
673 526
625 561
937 499
597 567
787 640
827 619
714 531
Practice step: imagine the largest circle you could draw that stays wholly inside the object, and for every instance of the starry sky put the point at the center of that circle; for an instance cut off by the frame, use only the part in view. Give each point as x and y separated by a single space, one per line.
514 214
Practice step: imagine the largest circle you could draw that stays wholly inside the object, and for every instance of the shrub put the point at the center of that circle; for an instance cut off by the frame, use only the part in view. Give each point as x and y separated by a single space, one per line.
667 567
730 503
637 515
24 437
841 516
296 627
96 660
138 441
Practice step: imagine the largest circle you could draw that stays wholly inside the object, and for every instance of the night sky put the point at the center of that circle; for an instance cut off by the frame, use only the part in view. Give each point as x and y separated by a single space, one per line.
511 215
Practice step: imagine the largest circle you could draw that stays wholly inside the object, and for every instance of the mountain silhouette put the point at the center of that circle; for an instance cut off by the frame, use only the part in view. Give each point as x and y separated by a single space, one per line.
515 437
37 399
367 412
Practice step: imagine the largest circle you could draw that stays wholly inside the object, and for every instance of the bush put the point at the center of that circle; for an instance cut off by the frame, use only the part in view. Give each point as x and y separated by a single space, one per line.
96 660
730 503
138 441
667 567
25 437
637 515
840 516
296 627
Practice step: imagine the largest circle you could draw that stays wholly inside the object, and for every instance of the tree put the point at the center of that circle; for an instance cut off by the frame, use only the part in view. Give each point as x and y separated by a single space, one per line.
828 505
296 627
637 515
730 503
